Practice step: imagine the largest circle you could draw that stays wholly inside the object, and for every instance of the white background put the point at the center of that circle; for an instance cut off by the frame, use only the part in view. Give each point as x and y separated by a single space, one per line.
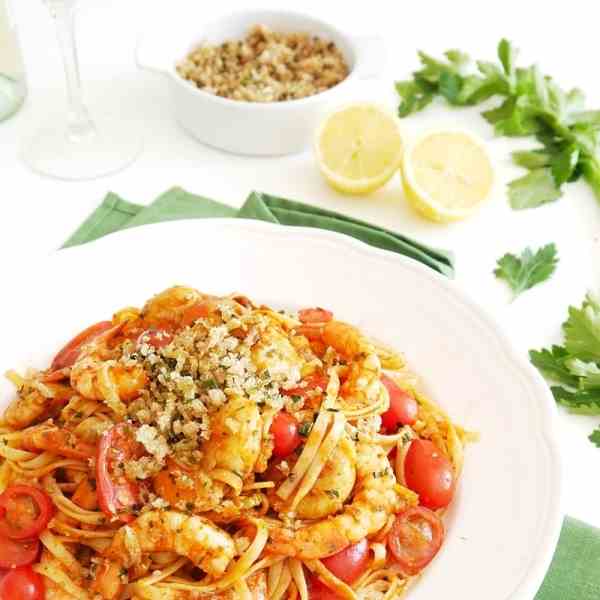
38 214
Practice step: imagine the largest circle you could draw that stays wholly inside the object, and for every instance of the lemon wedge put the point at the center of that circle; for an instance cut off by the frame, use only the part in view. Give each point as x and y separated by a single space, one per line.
359 148
447 175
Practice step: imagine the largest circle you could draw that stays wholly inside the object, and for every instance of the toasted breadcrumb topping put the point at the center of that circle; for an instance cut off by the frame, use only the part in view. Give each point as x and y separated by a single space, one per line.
236 352
266 66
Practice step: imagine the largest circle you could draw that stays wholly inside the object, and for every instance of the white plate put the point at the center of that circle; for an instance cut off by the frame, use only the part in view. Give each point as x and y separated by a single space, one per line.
504 523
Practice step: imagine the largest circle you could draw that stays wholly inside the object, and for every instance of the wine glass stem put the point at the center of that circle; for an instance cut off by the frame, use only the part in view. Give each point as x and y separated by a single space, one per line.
79 124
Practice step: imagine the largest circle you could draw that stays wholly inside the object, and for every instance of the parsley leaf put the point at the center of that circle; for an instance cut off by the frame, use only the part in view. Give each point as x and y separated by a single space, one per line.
564 163
534 189
594 437
552 364
304 429
530 104
589 373
416 95
532 159
523 272
576 365
582 330
578 402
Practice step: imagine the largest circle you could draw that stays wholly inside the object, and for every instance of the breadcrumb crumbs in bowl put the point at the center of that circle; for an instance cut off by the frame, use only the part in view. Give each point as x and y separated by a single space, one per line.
266 66
258 90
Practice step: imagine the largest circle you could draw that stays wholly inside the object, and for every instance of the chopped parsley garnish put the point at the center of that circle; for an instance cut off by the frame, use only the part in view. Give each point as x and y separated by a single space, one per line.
305 428
210 384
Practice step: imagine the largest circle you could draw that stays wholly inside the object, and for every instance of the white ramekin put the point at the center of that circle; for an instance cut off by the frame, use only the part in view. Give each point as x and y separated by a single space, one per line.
248 127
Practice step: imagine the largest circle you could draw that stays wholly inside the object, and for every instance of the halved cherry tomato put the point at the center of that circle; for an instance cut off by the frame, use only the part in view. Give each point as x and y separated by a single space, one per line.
116 495
349 564
312 382
403 407
22 584
24 512
415 538
429 473
14 553
155 337
317 590
285 434
315 315
69 354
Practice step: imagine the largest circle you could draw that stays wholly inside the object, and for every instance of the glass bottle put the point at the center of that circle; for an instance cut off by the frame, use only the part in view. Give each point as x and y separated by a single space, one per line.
12 74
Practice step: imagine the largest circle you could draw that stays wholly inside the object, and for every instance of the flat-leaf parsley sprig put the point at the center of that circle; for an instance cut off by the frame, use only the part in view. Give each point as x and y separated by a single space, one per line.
529 269
575 366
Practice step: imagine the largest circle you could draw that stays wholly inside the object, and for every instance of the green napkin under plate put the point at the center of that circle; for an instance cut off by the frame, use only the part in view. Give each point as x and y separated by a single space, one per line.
115 214
575 570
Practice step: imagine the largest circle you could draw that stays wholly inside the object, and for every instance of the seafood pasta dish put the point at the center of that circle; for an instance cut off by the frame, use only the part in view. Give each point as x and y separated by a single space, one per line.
210 447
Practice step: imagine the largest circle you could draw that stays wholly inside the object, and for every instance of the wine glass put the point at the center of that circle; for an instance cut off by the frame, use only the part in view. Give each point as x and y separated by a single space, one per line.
80 147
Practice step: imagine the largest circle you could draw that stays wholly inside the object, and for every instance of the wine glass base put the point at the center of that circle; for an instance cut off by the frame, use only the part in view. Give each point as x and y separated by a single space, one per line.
115 145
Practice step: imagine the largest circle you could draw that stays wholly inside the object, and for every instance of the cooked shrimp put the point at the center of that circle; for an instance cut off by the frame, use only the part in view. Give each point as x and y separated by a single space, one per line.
182 487
375 498
96 379
98 376
32 405
362 386
58 441
345 339
350 343
257 585
234 443
230 455
204 544
177 307
334 485
332 488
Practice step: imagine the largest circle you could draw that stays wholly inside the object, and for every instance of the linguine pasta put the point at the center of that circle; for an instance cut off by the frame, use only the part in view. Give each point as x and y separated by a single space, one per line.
207 447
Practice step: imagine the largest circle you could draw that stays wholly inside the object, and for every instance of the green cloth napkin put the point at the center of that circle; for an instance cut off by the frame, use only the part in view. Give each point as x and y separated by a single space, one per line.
575 570
115 213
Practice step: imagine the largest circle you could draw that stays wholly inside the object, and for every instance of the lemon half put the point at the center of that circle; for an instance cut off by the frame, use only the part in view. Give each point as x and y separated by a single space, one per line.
359 147
447 175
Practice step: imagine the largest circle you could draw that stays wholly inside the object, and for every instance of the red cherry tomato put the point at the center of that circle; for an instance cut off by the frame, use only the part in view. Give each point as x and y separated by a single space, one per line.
69 354
285 434
24 512
403 407
312 382
155 337
22 584
415 538
317 590
14 553
429 473
116 495
349 564
315 315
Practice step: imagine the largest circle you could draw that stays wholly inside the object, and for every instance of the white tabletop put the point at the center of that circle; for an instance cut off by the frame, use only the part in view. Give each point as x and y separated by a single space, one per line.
38 214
